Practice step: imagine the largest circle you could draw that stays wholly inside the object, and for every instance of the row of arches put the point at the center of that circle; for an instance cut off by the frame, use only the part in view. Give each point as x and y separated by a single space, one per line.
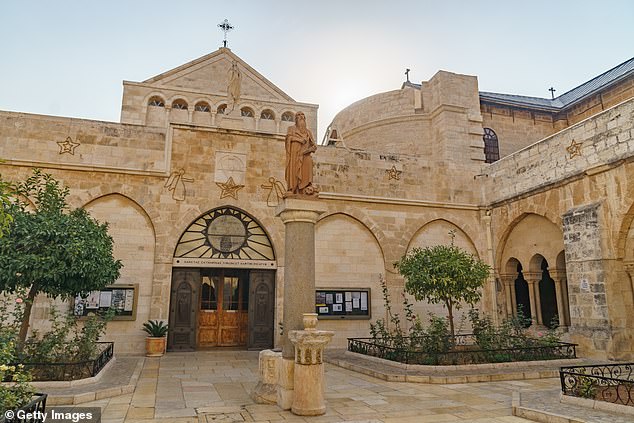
539 293
204 106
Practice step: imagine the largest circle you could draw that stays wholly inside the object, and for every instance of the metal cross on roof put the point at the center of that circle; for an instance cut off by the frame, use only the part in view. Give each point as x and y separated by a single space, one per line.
407 74
552 92
225 26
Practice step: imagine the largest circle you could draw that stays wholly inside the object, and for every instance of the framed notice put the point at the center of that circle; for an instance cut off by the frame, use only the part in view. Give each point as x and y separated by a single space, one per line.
122 298
342 303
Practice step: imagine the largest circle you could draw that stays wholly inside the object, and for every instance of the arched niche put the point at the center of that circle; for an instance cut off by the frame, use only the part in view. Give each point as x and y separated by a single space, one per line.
134 243
437 232
532 234
347 255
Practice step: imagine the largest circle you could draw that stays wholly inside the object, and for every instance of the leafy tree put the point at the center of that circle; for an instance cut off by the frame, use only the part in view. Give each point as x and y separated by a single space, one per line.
53 250
443 274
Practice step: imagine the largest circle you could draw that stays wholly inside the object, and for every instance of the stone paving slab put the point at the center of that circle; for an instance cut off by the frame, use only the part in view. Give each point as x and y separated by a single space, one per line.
350 396
545 406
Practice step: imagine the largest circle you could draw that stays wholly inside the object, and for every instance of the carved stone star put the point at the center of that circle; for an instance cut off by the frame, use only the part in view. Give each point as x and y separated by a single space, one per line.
68 146
393 173
229 188
574 149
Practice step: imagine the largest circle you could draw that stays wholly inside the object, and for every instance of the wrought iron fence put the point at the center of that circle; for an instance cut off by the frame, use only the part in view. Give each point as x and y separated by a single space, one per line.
38 404
73 370
462 349
607 382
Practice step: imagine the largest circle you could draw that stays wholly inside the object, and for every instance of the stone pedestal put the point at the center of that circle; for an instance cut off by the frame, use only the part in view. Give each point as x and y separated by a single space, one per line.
309 388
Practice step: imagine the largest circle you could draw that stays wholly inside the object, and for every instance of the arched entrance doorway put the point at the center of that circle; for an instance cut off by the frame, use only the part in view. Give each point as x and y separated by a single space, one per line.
223 284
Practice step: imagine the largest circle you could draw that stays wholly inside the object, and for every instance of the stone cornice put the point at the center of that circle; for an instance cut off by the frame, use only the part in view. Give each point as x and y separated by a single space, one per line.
396 201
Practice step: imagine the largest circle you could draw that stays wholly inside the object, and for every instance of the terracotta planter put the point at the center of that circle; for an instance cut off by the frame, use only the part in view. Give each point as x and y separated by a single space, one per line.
155 347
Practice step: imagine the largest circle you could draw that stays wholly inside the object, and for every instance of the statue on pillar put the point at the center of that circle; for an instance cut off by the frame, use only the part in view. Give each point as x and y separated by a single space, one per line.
300 145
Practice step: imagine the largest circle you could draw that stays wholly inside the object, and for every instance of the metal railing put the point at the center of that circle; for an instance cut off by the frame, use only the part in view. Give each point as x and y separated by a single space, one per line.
42 371
38 404
606 382
460 350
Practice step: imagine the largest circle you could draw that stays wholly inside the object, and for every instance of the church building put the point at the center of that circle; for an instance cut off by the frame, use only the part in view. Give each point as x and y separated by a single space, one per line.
190 179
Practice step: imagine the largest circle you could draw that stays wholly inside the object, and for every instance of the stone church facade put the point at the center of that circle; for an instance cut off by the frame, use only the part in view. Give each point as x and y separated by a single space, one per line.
190 180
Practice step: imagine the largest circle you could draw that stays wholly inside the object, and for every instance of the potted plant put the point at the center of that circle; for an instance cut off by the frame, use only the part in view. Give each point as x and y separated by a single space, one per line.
156 341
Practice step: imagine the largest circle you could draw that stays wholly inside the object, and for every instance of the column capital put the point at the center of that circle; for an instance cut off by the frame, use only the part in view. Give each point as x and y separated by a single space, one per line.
508 278
300 210
629 267
532 277
558 274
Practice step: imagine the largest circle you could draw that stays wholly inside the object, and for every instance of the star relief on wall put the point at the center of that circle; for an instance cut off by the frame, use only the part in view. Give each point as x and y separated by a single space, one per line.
68 146
229 188
393 173
574 149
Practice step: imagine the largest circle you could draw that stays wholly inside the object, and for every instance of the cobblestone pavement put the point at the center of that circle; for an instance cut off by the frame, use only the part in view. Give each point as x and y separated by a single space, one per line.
214 386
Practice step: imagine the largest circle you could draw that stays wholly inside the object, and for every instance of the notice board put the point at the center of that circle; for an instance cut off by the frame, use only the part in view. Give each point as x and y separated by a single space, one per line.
343 303
122 298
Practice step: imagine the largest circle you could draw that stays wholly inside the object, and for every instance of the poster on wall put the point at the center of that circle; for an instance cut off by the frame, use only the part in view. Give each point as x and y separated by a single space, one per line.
342 303
119 297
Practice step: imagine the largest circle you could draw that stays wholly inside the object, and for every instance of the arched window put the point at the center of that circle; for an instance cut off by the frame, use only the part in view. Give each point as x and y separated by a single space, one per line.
179 105
267 114
288 117
221 109
246 112
201 107
156 102
491 146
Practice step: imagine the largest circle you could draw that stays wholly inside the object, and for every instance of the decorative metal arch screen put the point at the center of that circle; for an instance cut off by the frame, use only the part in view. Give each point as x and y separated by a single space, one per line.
225 233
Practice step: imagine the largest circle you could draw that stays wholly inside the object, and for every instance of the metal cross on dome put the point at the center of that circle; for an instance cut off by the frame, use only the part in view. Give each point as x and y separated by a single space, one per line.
225 26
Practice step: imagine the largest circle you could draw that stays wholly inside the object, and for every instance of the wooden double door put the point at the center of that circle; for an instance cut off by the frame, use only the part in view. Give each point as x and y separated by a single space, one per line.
221 307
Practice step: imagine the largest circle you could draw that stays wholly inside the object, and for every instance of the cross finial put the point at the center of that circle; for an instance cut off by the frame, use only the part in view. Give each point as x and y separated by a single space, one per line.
552 92
407 73
225 26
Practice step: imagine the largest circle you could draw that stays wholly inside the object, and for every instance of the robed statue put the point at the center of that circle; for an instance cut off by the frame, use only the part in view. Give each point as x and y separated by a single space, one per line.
233 89
300 145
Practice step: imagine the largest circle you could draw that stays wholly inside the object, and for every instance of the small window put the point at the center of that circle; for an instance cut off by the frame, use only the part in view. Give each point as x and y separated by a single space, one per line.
179 105
267 114
156 102
202 107
221 109
491 146
246 112
288 117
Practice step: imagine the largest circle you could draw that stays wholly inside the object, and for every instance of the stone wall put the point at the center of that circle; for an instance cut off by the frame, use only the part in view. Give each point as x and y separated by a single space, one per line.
600 140
37 140
586 275
516 128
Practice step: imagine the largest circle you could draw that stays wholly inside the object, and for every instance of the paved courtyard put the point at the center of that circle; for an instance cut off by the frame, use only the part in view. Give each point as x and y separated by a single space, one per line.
214 386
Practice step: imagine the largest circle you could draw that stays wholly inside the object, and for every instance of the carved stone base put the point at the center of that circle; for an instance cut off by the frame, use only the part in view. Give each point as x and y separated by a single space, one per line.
265 391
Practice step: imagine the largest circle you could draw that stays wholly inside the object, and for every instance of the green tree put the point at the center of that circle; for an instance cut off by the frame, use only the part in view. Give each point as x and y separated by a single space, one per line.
53 250
443 274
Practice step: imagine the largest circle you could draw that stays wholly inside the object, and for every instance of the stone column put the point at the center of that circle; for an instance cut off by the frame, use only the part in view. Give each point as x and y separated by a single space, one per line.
308 396
507 281
561 308
299 217
532 278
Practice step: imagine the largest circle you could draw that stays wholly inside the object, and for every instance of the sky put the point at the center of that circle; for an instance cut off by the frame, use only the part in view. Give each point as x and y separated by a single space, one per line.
69 58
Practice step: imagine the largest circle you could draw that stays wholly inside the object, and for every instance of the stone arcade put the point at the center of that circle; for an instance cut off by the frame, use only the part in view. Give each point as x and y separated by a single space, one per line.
191 178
